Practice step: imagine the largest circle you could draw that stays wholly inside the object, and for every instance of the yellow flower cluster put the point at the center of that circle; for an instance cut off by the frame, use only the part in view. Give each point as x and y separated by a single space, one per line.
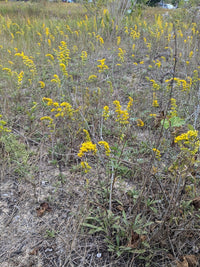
61 110
56 80
173 107
87 138
106 147
155 85
2 125
134 33
140 123
63 69
20 78
188 141
130 103
121 54
158 63
155 101
63 53
92 78
48 118
87 147
8 70
48 100
103 66
50 56
189 136
85 166
42 84
100 39
118 40
84 57
180 83
123 115
157 153
28 62
105 112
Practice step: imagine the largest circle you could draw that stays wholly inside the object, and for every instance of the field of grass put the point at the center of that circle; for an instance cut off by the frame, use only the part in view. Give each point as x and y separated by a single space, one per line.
99 141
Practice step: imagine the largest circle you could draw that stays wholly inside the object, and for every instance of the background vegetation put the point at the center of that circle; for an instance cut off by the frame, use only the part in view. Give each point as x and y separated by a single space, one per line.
99 135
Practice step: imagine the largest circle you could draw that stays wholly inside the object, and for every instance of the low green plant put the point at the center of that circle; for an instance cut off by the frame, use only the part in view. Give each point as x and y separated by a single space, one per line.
15 154
50 233
117 231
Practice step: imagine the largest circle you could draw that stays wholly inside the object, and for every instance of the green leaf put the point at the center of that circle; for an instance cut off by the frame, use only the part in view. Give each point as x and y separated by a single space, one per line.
146 244
95 228
139 251
177 122
117 240
190 127
165 123
125 218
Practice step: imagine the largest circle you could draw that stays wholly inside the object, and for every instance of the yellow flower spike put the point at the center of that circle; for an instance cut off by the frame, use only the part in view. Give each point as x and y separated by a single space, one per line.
173 107
140 123
48 118
48 100
20 78
84 55
85 166
106 147
102 61
2 126
8 70
49 42
101 40
42 84
57 115
106 112
188 142
87 138
191 54
102 67
87 147
92 77
56 80
122 115
47 31
155 101
121 54
152 115
130 103
118 40
158 64
157 153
